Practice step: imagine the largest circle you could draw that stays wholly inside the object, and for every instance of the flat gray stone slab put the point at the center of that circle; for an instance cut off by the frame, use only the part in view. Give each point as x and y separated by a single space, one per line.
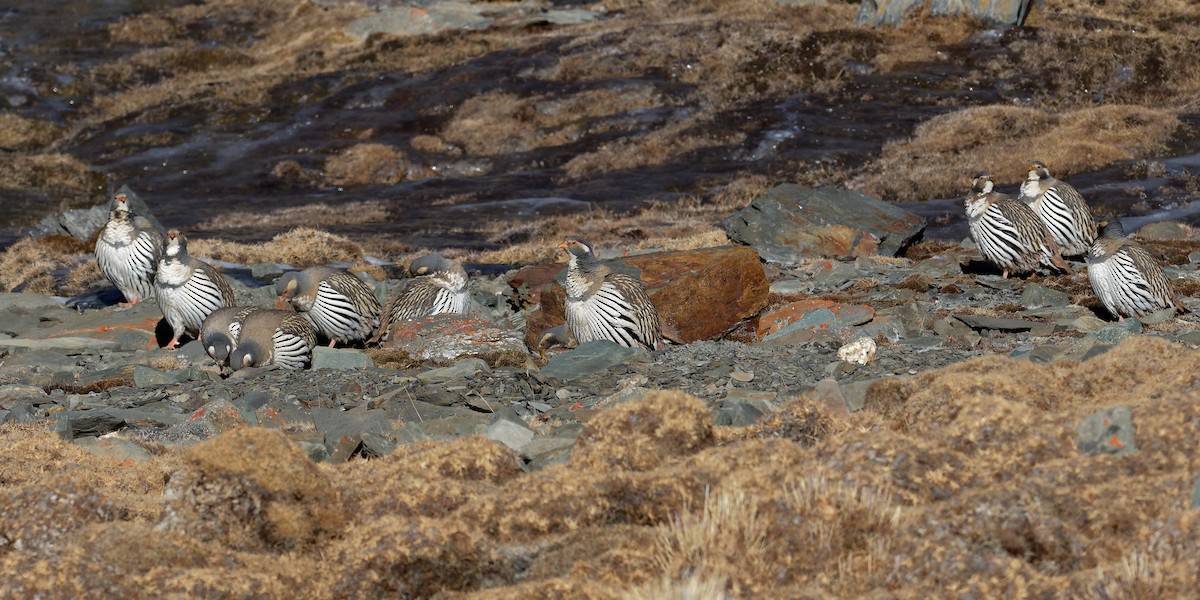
65 344
592 357
790 222
1109 431
1003 324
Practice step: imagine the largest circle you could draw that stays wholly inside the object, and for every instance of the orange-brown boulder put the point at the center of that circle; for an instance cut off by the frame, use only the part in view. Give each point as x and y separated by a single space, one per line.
699 294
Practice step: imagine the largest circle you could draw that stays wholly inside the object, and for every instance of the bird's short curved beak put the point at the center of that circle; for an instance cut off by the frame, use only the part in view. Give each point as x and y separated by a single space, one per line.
565 244
280 303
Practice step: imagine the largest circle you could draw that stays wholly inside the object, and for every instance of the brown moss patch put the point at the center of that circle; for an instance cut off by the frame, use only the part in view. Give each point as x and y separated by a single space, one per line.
321 214
638 436
20 133
367 164
944 153
30 265
251 488
968 473
54 173
299 247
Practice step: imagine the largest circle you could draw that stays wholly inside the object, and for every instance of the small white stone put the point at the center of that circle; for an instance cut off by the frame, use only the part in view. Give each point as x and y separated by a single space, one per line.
859 351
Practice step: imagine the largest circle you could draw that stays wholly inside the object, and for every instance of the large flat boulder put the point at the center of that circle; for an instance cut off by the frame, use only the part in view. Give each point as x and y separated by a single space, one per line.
448 337
791 222
699 294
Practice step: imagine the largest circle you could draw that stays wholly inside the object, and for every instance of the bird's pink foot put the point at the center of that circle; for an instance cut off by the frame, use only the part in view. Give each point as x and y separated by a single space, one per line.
171 345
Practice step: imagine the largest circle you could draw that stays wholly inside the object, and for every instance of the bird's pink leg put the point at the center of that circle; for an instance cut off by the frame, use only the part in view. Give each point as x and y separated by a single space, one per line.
129 302
332 342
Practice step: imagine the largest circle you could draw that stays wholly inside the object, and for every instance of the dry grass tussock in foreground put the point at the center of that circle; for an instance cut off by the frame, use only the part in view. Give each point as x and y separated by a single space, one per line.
959 482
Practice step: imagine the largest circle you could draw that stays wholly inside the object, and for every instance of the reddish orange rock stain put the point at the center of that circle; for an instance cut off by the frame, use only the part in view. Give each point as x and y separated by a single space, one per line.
1115 443
196 415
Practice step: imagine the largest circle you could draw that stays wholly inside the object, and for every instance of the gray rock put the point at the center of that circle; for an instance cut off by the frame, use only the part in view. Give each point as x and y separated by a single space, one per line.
276 414
892 12
1109 431
144 377
1191 339
545 451
27 304
1088 324
592 357
1161 316
316 451
790 222
743 407
340 358
71 424
1039 296
265 271
1003 324
115 448
83 223
67 345
344 430
375 445
20 391
1196 494
789 287
854 393
509 433
462 369
211 419
250 402
838 273
449 337
1114 333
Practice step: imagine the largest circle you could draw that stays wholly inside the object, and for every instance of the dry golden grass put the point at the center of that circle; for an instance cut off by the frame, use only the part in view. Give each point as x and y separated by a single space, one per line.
30 264
299 247
669 144
20 133
958 481
310 215
947 151
60 174
500 122
367 164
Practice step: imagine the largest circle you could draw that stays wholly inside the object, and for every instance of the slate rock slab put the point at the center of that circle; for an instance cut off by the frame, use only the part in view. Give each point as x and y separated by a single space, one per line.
448 337
340 358
790 222
589 358
115 448
1003 324
1109 431
345 430
836 315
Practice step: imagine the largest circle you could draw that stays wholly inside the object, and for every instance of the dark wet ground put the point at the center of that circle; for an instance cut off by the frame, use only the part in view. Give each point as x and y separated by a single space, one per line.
193 163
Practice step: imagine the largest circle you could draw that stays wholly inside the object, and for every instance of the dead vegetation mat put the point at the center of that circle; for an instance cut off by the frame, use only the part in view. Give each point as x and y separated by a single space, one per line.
959 482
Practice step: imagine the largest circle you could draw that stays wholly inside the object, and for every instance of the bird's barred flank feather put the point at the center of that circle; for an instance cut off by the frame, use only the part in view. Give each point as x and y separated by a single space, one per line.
440 288
1062 208
606 305
1126 278
1009 234
340 305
